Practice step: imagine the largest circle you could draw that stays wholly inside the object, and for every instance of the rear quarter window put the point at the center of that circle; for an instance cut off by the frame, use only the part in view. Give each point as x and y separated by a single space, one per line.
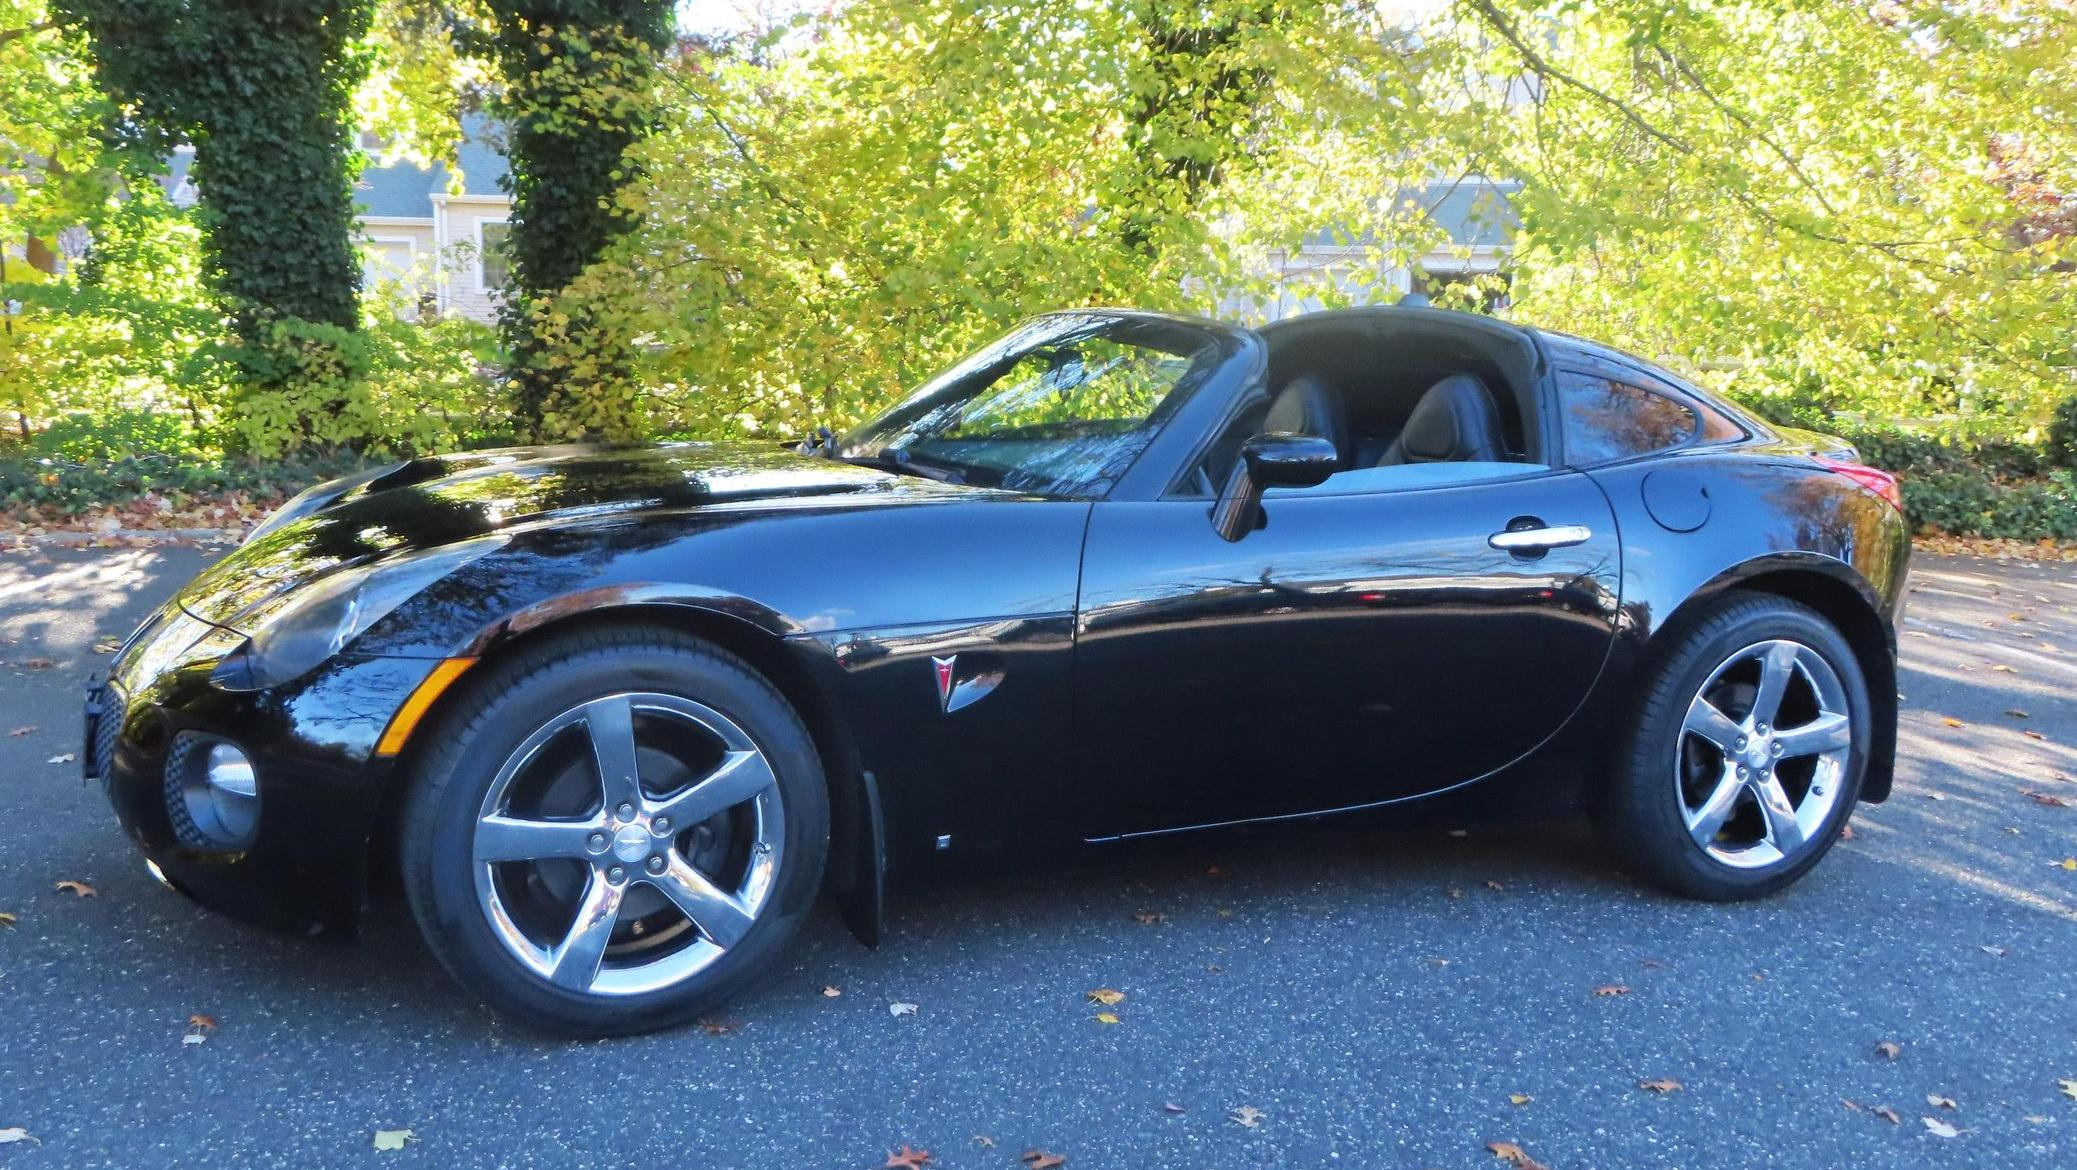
1606 420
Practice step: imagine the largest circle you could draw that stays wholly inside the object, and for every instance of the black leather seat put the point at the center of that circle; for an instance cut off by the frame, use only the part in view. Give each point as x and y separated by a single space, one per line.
1307 406
1454 422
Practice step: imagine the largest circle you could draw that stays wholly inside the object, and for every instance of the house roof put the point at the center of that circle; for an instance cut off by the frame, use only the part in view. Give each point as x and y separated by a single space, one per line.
403 189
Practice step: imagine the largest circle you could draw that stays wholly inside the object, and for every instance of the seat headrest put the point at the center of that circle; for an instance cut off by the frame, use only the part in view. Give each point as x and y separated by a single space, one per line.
1308 406
1454 422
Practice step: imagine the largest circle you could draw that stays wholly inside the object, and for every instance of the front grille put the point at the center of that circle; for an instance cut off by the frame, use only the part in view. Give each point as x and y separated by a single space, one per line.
107 725
177 812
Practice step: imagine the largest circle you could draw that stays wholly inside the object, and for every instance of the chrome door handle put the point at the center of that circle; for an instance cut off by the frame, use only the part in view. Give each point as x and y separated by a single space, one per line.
1534 539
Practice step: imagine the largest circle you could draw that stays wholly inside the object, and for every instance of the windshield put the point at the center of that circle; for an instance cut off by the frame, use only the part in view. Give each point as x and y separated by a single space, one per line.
1059 406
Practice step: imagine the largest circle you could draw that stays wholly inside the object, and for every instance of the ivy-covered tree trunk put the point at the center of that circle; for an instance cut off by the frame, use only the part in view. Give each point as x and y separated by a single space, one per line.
579 79
1194 92
262 90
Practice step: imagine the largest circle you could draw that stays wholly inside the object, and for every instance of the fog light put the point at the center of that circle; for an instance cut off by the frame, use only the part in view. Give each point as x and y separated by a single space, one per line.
211 793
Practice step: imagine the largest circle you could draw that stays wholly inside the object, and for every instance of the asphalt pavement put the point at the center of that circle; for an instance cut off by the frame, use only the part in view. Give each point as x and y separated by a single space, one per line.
1318 997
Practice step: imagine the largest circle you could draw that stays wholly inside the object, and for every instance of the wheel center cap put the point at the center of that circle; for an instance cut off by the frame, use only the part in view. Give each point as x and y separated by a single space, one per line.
631 843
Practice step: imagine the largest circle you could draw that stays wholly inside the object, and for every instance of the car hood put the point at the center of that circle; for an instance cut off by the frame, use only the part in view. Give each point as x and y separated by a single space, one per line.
434 502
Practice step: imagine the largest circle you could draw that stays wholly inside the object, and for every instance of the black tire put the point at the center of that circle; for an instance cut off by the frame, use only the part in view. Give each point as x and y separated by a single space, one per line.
1645 811
502 706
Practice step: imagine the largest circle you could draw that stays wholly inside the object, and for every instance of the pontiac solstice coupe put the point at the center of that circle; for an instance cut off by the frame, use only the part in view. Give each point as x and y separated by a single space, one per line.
616 715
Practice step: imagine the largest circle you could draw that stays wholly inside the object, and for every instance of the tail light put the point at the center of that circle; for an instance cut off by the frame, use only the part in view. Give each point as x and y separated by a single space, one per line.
1876 480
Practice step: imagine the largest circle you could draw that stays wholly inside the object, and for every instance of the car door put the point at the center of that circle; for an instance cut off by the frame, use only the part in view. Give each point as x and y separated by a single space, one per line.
1375 639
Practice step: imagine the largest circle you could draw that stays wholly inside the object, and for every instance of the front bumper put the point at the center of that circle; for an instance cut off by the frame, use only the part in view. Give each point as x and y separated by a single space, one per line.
312 743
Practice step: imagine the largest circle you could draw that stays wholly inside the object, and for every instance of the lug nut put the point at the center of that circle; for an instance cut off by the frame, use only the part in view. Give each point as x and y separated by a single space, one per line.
1762 729
656 864
662 825
626 811
615 875
1743 771
1777 748
1741 743
598 842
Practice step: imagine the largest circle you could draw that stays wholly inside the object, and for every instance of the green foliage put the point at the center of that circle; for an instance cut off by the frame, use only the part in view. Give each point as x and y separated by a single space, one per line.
838 211
115 435
1862 207
578 92
263 92
70 487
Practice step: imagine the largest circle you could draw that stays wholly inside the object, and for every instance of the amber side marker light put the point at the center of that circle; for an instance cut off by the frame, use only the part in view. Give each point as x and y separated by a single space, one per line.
406 719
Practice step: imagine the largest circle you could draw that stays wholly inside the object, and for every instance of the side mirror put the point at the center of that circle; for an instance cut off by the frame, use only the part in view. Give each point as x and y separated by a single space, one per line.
1267 461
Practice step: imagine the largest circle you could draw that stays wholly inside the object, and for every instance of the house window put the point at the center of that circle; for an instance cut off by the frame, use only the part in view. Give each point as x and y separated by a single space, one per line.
1477 292
492 270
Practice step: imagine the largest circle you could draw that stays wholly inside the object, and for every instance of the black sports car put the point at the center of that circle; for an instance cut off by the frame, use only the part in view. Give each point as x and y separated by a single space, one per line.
616 713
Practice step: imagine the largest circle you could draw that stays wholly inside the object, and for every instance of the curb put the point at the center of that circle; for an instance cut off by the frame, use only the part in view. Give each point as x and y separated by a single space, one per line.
128 535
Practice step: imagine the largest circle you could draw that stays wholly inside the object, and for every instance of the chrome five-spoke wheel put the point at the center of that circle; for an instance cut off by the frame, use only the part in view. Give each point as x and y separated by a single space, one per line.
627 843
1762 751
1747 751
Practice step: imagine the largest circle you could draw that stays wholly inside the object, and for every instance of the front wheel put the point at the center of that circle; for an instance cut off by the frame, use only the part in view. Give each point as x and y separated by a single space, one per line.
1747 752
616 831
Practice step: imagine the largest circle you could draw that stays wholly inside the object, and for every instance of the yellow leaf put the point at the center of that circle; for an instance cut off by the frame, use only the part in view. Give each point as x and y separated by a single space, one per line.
1107 997
393 1139
1106 1018
82 889
1519 1098
1661 1086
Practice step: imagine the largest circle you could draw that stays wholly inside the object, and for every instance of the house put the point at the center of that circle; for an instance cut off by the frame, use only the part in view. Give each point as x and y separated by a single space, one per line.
439 250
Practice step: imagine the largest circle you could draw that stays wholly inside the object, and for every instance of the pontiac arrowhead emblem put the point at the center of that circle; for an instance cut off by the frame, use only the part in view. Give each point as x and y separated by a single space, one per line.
944 668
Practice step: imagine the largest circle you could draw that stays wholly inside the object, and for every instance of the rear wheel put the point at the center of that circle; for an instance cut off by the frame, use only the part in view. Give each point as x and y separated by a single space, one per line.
1747 753
616 832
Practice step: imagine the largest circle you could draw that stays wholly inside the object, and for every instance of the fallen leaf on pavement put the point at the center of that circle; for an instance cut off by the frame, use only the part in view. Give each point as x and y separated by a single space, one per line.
1149 918
198 1029
6 919
1995 952
2048 798
1493 885
19 732
393 1139
1455 892
1938 1100
1661 1086
39 664
1612 989
15 1133
832 992
1107 997
1887 1114
1846 832
2016 713
1172 1107
1953 722
2069 1089
984 1141
1519 1098
2068 863
1041 1160
1889 1049
719 1027
107 646
2030 733
1248 1116
62 758
1106 1018
1515 1155
72 886
1850 1103
901 1009
2001 668
907 1159
1939 1128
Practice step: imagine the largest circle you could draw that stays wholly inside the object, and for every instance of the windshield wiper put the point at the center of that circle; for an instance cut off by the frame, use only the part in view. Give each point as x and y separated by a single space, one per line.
903 463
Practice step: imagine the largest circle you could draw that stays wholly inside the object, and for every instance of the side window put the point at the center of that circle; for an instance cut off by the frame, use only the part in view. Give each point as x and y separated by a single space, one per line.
1606 420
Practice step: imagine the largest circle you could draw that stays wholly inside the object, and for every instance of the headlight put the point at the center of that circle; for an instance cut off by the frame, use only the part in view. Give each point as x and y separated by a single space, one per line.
312 498
320 621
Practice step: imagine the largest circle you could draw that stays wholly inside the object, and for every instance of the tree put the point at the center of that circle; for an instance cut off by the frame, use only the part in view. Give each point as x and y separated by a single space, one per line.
578 91
1820 206
262 90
